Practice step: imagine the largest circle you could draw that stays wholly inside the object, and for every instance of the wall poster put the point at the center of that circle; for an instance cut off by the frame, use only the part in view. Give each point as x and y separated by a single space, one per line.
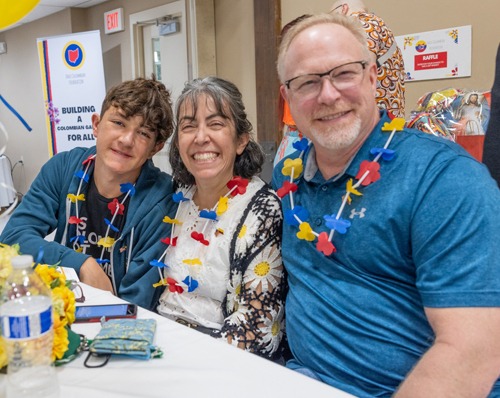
438 54
73 88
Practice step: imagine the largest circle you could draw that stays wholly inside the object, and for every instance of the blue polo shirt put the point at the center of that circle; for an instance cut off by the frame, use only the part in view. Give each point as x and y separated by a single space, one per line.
425 234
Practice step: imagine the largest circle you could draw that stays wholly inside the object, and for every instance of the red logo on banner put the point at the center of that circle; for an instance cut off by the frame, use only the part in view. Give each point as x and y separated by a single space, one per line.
431 61
73 55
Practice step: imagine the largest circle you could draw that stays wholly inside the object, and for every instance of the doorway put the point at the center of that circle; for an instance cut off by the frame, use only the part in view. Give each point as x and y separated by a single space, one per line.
165 55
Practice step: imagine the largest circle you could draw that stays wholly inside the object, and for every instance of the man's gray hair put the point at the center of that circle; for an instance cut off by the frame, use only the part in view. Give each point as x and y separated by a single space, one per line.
351 24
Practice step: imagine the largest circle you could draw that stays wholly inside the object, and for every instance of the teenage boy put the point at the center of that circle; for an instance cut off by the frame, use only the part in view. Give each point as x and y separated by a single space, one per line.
107 202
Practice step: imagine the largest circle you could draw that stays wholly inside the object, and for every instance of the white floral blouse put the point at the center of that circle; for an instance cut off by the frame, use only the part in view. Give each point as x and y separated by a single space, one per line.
241 283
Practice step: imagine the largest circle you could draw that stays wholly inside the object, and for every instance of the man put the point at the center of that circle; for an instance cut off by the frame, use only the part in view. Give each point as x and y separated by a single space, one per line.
106 202
387 55
404 296
384 51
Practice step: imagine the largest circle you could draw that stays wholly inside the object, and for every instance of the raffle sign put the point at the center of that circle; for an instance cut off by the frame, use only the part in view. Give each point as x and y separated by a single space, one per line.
73 88
439 54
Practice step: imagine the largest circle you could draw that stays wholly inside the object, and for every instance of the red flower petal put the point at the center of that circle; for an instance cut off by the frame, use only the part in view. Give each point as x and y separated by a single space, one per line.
89 159
170 241
240 183
200 238
286 188
373 168
74 220
324 245
112 206
172 286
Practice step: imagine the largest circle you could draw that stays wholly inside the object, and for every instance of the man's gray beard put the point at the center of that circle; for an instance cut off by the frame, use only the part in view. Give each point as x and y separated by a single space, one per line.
336 139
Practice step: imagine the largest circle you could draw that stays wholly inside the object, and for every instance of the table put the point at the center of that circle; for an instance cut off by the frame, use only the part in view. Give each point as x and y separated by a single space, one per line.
193 365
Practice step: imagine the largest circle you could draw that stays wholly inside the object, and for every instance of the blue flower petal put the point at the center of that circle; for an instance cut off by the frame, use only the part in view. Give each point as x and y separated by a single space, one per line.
301 145
99 261
111 225
79 238
298 211
40 255
124 188
159 264
211 215
179 197
191 283
387 154
339 225
81 174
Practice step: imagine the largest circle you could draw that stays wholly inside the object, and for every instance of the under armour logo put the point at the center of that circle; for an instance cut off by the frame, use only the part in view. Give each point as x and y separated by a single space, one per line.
361 213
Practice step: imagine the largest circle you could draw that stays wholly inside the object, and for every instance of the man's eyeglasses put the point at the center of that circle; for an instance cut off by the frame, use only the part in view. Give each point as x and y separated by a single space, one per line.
342 77
331 11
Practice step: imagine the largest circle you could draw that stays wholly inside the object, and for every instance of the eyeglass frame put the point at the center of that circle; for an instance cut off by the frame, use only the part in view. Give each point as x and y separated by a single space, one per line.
336 8
287 82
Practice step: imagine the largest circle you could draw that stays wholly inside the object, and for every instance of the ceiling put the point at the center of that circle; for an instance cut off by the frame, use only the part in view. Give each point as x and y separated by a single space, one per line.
47 7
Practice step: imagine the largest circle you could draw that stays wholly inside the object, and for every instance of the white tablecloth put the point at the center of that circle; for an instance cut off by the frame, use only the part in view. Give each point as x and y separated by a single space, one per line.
6 195
193 365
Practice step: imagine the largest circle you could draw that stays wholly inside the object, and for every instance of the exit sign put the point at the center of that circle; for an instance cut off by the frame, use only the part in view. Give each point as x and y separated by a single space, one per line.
113 21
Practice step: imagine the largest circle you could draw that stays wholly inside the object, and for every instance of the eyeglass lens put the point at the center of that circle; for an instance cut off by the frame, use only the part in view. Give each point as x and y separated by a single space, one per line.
342 77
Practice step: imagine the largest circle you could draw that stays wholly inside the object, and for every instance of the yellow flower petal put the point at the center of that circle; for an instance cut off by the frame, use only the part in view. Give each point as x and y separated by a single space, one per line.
68 298
242 232
222 206
106 242
3 353
295 164
193 261
61 341
161 284
305 232
50 274
74 198
397 124
169 220
79 250
351 189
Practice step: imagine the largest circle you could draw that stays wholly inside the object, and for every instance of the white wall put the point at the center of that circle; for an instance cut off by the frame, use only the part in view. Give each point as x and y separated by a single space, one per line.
21 86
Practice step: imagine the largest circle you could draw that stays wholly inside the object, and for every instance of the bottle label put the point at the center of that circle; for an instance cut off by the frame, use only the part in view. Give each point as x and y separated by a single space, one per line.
26 327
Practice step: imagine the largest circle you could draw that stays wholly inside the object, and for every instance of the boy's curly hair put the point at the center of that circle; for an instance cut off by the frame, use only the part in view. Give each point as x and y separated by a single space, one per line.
148 98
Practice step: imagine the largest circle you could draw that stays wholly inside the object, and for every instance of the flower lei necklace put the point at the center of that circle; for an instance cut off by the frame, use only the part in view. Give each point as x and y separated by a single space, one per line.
367 174
237 186
115 207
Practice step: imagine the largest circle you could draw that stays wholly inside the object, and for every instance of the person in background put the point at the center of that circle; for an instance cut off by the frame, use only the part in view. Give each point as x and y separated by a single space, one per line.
491 147
224 272
390 238
106 202
387 55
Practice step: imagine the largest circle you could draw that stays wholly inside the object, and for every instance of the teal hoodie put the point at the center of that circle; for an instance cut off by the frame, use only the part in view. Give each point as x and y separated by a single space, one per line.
46 208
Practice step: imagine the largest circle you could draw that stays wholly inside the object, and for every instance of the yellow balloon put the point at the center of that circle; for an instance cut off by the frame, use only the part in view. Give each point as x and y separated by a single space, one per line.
13 11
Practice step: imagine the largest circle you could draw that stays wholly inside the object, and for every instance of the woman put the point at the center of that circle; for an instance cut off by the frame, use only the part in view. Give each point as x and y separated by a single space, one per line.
223 267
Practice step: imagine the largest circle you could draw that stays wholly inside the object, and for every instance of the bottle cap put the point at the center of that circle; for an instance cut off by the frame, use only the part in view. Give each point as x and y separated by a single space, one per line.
24 261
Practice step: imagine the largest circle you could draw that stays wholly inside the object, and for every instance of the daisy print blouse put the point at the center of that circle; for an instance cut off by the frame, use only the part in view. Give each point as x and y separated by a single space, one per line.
240 278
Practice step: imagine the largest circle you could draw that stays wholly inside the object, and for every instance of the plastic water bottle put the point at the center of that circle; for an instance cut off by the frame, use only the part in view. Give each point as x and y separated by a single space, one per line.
27 327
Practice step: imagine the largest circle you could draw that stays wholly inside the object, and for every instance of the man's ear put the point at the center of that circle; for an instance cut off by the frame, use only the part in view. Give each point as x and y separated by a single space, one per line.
95 123
372 74
284 94
157 148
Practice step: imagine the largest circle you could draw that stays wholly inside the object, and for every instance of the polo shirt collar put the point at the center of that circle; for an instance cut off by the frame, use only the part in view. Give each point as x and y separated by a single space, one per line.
376 139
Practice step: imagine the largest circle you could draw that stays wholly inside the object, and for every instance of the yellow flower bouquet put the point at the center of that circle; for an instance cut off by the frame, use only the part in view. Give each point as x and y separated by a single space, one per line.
63 303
